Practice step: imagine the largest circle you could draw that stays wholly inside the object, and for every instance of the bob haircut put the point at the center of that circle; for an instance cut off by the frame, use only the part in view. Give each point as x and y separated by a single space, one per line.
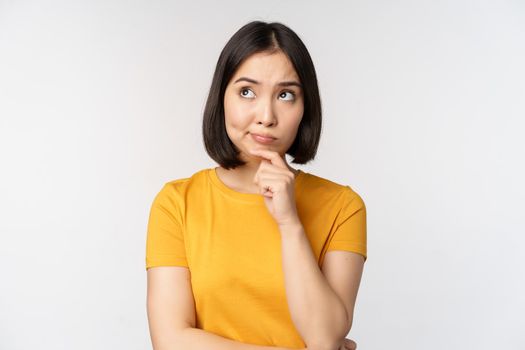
255 37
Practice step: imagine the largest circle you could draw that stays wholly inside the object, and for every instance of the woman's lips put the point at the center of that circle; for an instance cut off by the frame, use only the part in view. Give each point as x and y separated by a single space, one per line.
262 139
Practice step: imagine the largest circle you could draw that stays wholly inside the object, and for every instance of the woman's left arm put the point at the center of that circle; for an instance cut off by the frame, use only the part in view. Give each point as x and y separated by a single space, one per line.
321 305
321 301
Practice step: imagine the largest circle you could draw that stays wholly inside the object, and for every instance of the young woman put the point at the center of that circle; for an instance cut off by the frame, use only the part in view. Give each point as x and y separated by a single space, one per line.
254 254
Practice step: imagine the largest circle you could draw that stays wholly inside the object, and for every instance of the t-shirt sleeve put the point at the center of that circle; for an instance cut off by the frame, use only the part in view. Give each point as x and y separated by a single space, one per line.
165 234
350 225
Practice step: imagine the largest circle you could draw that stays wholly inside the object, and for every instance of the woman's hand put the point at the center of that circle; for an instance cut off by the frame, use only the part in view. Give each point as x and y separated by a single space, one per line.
277 184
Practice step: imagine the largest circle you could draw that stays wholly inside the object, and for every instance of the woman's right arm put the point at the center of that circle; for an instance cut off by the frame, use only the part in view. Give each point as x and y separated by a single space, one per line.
171 315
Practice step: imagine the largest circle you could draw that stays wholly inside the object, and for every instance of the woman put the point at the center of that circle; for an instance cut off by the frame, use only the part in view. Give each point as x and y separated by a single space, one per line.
255 254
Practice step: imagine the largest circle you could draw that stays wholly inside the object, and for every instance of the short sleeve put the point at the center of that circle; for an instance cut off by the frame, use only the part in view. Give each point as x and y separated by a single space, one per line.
350 225
165 234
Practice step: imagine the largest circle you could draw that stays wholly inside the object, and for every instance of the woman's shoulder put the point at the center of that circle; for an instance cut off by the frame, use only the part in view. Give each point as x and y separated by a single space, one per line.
318 186
179 186
196 176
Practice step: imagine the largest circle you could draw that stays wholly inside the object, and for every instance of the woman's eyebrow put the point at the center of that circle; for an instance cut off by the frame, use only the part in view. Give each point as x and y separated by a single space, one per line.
282 83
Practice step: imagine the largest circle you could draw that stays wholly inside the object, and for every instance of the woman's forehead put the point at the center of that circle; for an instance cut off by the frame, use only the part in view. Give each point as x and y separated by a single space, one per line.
267 68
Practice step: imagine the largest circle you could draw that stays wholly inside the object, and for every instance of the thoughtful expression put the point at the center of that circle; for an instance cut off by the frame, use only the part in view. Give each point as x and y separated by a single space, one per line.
263 104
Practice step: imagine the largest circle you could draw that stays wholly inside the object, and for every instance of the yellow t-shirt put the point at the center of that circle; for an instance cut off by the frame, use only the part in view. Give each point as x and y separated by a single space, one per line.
231 245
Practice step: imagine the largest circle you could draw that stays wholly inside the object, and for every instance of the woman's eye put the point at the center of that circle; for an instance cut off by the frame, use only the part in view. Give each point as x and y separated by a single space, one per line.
247 93
291 95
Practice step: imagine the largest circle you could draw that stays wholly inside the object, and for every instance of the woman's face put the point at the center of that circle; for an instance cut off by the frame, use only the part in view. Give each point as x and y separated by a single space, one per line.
265 98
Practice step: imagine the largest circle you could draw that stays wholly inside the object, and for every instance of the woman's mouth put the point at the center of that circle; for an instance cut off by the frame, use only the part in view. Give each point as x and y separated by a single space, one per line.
263 139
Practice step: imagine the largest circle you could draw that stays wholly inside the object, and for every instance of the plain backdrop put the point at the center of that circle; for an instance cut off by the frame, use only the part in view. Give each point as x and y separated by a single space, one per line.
424 104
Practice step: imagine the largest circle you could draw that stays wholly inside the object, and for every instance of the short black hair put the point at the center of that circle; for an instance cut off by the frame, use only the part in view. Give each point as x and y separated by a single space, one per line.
255 37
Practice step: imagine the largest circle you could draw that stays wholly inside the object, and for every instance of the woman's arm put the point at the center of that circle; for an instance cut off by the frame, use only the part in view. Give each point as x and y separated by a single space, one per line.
316 310
321 309
197 339
171 315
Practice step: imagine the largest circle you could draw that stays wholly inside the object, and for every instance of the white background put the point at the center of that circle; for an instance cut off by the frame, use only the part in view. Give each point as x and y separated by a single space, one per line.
424 104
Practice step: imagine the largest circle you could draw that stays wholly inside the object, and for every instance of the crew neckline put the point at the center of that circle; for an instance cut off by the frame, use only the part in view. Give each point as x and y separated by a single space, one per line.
247 197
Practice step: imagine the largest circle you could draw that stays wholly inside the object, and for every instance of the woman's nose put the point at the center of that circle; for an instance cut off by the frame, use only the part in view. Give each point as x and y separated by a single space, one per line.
266 114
